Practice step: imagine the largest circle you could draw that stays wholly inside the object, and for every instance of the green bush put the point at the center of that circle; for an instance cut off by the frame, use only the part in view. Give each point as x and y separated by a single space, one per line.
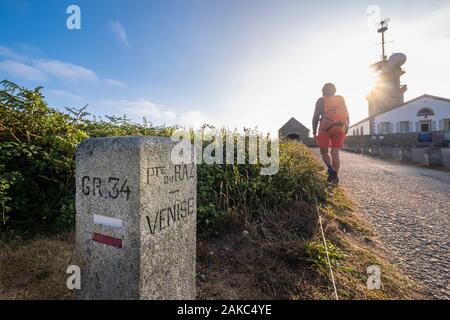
37 144
230 191
37 178
37 147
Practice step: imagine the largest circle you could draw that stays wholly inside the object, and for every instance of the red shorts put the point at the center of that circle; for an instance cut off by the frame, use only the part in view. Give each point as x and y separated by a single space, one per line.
334 138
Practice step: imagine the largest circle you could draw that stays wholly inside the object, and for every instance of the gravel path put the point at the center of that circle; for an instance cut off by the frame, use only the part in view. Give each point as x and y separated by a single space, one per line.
409 208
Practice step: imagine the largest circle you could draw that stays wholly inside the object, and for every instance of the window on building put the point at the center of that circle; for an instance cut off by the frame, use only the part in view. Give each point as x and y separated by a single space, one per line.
404 126
385 127
357 131
425 112
362 130
446 124
354 132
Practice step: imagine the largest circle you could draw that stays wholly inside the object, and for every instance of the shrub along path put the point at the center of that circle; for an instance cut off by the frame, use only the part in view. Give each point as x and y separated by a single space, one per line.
408 207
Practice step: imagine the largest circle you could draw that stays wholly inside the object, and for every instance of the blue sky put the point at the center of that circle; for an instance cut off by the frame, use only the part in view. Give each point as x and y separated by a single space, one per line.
227 62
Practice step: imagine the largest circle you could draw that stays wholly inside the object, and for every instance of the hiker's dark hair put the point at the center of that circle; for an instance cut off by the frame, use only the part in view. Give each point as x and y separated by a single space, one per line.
329 89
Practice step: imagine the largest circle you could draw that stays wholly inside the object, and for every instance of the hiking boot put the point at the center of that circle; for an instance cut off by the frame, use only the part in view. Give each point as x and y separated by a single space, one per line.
330 179
335 180
332 175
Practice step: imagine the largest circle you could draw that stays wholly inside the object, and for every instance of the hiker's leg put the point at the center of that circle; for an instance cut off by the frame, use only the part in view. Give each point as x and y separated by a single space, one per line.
332 174
335 159
325 156
323 140
337 142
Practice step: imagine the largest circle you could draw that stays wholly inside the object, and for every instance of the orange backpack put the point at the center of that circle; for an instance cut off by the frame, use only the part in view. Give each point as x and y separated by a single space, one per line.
335 114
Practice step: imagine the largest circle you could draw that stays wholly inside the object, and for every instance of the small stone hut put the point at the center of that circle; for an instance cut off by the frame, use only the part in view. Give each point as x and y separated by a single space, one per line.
294 130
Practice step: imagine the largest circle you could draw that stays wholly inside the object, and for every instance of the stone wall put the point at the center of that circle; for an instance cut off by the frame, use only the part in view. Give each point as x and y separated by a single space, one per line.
354 143
403 147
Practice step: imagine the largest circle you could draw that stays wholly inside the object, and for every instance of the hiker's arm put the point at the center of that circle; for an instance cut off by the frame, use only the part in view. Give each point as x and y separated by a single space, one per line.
348 123
317 113
348 118
347 126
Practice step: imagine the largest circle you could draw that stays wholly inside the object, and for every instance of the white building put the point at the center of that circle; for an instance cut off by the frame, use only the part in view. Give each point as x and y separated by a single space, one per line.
389 114
426 113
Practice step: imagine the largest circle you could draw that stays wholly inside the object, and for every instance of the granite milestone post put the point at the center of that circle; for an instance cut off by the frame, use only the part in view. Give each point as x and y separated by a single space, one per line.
135 220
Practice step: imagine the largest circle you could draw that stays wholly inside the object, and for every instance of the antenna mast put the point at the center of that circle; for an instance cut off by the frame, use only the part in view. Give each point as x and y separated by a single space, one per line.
382 28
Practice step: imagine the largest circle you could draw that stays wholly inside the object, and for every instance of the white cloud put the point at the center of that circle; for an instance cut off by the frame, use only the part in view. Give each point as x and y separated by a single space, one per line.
25 67
29 50
63 94
10 54
64 70
21 70
137 109
193 119
142 108
119 31
115 83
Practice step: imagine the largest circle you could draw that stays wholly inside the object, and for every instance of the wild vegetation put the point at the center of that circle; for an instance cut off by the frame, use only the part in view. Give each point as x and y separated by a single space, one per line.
282 255
258 235
37 168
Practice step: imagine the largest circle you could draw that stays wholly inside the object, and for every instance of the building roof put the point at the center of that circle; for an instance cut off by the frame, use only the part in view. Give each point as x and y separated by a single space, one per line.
359 122
294 123
426 96
407 102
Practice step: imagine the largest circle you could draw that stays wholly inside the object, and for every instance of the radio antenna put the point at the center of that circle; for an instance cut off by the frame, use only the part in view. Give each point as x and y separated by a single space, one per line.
382 28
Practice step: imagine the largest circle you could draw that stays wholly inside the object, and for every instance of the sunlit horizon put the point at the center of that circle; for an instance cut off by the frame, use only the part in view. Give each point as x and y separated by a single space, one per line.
289 86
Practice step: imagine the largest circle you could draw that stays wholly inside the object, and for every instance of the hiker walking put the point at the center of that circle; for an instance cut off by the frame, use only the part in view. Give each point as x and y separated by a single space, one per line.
332 114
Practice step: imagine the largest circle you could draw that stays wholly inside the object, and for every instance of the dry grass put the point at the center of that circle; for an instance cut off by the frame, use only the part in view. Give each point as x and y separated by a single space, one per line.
279 256
283 257
36 269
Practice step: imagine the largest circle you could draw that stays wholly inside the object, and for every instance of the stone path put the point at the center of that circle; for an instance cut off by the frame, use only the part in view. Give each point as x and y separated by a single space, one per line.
409 208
